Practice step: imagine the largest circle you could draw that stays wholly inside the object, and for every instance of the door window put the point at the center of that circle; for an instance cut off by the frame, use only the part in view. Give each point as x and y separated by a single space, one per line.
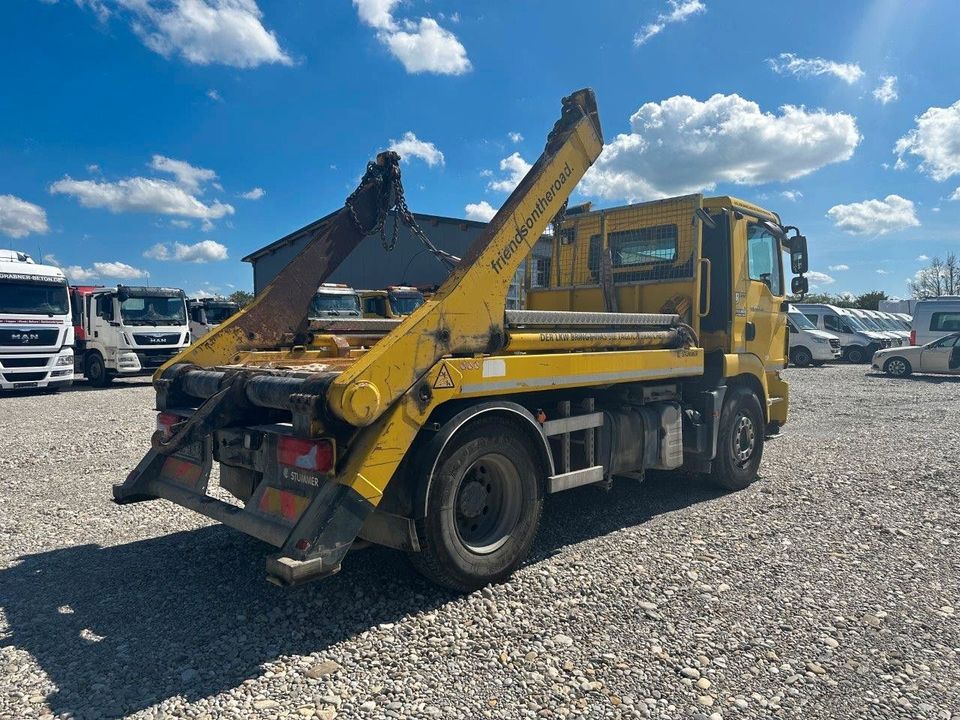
945 321
832 323
948 342
763 258
105 307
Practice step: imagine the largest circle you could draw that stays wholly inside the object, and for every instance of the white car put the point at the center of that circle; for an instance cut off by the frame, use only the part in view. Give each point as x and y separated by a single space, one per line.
939 356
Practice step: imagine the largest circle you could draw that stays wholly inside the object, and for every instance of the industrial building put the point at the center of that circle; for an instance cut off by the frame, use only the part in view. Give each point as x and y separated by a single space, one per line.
370 266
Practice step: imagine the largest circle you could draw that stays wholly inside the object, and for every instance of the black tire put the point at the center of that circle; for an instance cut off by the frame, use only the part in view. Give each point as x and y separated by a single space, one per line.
95 370
856 354
818 363
897 367
483 507
801 357
740 440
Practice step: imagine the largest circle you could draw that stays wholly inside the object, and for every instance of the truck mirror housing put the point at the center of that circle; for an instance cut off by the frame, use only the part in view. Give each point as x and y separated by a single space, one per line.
799 286
123 294
798 254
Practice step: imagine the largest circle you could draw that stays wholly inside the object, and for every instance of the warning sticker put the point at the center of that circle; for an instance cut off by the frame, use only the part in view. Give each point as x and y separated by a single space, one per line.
443 379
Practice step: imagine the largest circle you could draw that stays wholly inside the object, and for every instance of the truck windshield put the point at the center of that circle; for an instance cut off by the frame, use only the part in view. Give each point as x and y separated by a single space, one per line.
33 298
325 305
153 310
870 323
216 314
405 303
855 323
801 321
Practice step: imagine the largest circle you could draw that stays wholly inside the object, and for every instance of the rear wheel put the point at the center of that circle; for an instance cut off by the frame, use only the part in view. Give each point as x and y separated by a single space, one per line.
740 440
483 508
96 370
800 356
897 367
856 354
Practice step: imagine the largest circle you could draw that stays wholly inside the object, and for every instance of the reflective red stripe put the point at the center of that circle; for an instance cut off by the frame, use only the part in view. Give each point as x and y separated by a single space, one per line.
314 455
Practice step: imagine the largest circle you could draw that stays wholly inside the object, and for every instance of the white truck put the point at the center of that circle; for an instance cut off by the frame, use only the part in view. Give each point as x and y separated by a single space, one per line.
207 313
809 346
335 300
36 335
127 330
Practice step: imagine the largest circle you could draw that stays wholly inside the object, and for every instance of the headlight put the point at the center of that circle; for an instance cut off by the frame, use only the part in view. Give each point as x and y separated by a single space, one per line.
64 360
819 341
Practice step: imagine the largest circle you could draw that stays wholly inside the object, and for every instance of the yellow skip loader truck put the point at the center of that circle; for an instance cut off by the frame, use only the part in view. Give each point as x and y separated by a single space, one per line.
654 341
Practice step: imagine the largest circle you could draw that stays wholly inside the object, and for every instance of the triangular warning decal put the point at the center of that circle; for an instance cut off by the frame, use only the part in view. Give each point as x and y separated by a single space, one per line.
443 378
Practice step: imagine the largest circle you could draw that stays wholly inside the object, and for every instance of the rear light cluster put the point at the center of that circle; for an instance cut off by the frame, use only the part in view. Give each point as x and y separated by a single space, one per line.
913 337
314 455
165 423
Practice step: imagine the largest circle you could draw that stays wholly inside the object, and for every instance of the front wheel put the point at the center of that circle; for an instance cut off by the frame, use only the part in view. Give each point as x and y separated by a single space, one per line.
897 367
856 354
96 371
800 356
740 440
483 508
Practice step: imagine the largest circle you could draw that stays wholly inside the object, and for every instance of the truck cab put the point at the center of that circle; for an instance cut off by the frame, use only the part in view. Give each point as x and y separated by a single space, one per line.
36 335
127 330
396 301
207 313
335 300
808 345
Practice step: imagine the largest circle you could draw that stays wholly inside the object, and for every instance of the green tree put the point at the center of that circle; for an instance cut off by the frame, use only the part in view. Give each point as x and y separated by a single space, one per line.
241 297
870 300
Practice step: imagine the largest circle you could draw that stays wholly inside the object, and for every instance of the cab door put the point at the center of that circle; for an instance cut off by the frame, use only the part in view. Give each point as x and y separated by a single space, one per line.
761 279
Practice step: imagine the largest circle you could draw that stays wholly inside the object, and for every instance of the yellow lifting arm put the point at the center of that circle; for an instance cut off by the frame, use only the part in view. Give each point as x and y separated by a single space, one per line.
466 315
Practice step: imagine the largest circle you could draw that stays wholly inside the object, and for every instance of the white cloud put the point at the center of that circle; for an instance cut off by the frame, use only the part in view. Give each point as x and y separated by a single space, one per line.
680 10
482 211
683 145
139 194
206 32
788 63
254 194
881 271
201 252
115 270
214 95
838 268
818 278
93 169
936 141
421 46
413 147
515 137
886 91
875 217
19 218
956 194
515 167
792 195
51 259
182 224
923 258
187 175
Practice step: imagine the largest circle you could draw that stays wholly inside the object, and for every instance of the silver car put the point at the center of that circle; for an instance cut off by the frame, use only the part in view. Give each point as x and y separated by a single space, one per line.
939 356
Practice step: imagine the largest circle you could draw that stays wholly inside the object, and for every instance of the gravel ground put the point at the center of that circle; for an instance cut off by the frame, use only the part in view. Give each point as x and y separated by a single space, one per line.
826 590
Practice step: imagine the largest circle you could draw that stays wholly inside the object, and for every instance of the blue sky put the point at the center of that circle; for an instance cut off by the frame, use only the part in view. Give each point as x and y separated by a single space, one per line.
172 137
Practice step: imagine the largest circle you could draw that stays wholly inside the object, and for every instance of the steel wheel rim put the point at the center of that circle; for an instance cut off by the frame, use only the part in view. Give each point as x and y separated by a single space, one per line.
897 367
803 357
744 440
487 504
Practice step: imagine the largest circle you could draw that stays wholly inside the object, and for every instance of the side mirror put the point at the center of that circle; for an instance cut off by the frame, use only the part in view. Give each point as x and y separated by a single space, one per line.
123 294
799 286
799 262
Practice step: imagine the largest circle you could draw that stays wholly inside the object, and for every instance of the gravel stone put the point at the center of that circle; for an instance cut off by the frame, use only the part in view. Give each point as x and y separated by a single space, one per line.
843 557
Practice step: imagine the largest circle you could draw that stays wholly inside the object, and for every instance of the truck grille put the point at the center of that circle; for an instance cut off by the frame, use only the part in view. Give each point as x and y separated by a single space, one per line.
25 337
24 377
156 338
24 362
151 359
835 343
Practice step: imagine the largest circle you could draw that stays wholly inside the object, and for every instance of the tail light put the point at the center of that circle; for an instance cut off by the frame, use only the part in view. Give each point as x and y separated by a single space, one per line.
165 423
913 337
315 455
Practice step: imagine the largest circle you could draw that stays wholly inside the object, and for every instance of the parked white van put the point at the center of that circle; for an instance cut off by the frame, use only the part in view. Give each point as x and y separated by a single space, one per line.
874 324
809 346
857 343
935 318
890 324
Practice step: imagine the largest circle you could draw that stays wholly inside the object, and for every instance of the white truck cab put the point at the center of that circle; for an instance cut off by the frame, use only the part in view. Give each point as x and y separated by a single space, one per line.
207 313
36 335
335 300
857 343
809 346
127 330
